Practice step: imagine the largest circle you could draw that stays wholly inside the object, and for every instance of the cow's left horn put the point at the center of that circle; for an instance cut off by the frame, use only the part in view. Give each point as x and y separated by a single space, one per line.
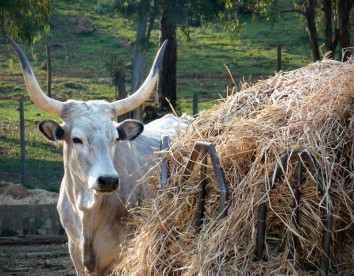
35 92
143 93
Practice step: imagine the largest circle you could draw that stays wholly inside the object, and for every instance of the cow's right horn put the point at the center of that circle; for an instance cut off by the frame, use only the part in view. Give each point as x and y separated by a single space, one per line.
35 92
143 93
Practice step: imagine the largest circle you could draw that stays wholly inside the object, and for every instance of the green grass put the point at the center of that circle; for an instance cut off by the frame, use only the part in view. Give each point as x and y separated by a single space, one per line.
81 59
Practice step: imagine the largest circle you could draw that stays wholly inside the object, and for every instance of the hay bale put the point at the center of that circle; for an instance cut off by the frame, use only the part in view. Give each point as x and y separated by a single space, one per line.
13 190
308 110
35 196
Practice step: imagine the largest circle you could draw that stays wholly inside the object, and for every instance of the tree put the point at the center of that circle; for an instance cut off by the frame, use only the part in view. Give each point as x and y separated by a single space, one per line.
23 19
143 12
272 8
344 8
310 14
117 69
138 52
337 26
174 14
330 41
167 85
335 17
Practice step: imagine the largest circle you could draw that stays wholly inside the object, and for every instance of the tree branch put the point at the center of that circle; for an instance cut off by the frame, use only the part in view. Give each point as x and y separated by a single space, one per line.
289 11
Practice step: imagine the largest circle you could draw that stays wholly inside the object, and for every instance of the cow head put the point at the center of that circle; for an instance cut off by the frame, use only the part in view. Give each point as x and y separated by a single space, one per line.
88 129
90 138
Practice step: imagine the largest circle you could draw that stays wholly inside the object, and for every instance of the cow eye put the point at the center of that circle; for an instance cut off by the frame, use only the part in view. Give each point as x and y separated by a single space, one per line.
77 140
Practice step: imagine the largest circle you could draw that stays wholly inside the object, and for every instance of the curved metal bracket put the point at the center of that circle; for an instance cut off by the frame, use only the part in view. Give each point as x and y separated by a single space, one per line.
326 238
206 148
164 144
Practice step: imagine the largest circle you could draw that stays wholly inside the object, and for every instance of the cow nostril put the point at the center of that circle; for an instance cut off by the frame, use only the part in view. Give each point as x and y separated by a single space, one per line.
108 182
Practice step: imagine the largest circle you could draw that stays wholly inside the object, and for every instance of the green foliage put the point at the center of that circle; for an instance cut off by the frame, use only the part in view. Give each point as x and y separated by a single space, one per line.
23 19
128 8
115 64
234 27
182 13
192 13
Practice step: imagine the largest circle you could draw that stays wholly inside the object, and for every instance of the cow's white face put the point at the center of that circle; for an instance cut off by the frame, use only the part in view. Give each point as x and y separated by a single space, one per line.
90 137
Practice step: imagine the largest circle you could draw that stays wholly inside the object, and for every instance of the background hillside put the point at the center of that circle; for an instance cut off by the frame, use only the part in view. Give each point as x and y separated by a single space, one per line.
78 62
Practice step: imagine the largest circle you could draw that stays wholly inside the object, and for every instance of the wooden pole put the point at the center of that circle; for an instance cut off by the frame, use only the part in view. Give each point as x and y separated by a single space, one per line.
22 142
122 93
49 72
195 103
279 57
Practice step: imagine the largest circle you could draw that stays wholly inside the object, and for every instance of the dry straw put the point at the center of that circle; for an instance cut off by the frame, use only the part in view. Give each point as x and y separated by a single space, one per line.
37 196
309 110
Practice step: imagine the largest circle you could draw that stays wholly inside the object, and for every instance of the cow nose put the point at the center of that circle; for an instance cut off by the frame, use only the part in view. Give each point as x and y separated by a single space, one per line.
108 183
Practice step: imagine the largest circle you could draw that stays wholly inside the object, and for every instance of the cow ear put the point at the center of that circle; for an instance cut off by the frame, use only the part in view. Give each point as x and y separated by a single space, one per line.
129 130
51 130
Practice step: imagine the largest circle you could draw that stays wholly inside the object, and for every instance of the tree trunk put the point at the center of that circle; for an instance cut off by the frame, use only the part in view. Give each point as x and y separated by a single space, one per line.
336 38
311 29
344 7
167 75
138 53
154 11
327 8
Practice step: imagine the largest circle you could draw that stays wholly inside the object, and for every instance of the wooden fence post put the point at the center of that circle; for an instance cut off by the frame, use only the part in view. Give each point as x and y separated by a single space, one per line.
49 72
279 56
195 103
121 93
22 142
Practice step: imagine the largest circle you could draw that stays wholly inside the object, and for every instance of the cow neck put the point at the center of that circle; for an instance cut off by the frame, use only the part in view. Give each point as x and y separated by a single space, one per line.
86 241
83 198
88 205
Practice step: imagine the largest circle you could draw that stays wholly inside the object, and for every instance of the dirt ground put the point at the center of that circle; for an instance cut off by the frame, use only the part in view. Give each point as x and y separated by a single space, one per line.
36 260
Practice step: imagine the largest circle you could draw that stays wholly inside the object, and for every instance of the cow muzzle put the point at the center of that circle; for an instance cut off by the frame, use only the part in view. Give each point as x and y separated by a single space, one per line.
106 184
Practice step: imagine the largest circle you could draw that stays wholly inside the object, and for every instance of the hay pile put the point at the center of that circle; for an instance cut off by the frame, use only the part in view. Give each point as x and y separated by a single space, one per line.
36 196
309 110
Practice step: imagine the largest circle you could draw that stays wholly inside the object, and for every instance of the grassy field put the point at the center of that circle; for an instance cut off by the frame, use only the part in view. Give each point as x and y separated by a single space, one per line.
81 59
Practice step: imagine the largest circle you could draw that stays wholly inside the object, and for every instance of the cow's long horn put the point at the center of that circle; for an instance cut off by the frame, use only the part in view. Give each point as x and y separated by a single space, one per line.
143 93
35 92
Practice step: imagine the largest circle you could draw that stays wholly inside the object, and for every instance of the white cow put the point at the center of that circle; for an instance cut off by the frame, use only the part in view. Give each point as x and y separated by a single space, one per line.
99 158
